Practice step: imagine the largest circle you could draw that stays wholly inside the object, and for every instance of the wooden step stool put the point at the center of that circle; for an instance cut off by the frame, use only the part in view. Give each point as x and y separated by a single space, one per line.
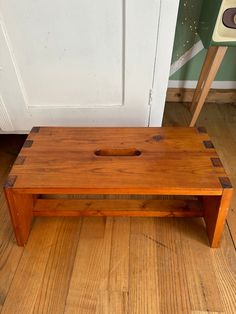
131 161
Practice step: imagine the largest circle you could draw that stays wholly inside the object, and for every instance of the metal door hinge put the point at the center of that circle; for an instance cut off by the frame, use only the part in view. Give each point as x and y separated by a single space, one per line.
150 98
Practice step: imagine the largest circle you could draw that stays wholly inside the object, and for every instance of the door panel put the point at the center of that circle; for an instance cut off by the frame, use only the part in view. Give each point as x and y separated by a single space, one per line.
78 62
67 52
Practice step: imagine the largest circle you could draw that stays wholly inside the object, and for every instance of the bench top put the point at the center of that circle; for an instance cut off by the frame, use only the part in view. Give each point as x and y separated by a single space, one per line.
165 160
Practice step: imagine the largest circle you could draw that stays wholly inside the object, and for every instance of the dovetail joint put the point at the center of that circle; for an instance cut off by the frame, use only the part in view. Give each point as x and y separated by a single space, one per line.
28 143
216 162
35 129
225 182
20 160
201 129
10 181
157 138
208 144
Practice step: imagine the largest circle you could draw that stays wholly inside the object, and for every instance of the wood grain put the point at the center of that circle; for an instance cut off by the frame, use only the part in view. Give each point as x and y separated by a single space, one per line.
91 267
10 253
210 68
118 207
28 277
220 124
112 302
223 261
21 212
172 161
158 169
57 275
185 95
206 312
143 283
119 260
200 275
216 210
219 121
171 271
208 63
223 133
191 277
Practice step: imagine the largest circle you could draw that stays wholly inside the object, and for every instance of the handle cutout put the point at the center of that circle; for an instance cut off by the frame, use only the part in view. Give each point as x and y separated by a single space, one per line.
119 152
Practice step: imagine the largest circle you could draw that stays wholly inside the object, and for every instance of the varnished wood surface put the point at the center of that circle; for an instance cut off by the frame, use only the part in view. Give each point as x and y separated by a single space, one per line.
167 160
123 160
220 122
124 265
118 207
210 68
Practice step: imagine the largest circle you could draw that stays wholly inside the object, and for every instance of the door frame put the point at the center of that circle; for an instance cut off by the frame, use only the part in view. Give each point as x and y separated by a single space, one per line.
158 96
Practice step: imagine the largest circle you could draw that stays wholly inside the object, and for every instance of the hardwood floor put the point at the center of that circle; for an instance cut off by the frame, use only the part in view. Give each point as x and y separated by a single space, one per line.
123 265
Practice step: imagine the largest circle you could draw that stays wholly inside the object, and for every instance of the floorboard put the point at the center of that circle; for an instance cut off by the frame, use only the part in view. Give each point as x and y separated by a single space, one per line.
123 265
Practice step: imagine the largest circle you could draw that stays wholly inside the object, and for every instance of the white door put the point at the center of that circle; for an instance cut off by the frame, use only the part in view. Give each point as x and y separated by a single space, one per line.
84 62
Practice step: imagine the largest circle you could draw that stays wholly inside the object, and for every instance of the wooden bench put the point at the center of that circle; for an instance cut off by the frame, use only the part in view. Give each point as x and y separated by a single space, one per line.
179 165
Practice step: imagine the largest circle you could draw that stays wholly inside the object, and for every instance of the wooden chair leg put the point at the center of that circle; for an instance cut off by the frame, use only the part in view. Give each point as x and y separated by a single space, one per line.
21 211
218 54
216 209
203 75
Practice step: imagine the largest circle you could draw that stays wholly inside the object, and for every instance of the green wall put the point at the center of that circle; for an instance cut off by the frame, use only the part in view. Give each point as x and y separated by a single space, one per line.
186 36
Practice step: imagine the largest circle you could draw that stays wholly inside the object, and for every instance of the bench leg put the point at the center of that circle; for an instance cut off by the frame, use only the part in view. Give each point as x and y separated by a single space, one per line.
216 209
21 211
